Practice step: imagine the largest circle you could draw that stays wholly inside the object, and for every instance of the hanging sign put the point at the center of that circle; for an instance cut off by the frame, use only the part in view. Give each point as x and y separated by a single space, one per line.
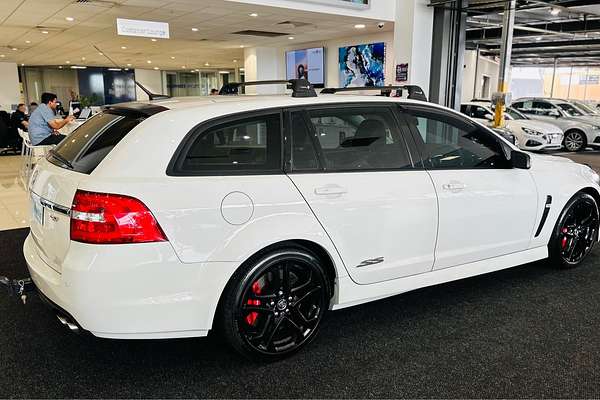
135 27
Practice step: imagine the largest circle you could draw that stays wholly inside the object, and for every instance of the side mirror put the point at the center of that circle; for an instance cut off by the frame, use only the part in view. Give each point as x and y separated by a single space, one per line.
520 160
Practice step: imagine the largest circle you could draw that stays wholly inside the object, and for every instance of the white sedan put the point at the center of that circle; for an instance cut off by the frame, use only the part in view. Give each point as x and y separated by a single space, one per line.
254 215
530 135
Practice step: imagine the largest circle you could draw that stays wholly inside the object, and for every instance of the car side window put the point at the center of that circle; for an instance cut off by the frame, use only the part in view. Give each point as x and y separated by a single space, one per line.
304 156
544 108
354 139
243 145
449 142
480 112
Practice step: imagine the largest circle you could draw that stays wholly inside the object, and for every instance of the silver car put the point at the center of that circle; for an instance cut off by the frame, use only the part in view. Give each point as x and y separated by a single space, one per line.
580 130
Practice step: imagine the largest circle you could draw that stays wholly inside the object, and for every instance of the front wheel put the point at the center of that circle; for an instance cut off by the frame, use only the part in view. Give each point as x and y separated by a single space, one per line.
272 307
574 141
576 231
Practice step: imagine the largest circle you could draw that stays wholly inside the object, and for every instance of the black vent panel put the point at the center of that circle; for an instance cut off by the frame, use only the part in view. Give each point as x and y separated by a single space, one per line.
251 32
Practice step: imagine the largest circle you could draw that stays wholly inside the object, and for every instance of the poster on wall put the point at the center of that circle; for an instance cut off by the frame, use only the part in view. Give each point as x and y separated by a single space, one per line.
402 73
306 64
362 65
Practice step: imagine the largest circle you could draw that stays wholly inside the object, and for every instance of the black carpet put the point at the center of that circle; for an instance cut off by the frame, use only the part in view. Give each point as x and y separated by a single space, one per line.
528 332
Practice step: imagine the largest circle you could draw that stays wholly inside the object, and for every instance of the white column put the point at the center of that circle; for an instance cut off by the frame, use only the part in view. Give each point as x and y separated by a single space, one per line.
264 63
413 29
10 92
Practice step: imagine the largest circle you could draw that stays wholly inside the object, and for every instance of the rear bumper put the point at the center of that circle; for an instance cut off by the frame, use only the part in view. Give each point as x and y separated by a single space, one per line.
139 291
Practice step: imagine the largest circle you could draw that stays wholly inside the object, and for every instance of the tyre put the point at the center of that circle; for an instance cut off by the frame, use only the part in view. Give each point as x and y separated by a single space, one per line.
273 306
575 141
576 232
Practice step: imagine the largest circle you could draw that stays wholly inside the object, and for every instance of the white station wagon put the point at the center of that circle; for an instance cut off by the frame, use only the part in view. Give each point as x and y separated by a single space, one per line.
254 215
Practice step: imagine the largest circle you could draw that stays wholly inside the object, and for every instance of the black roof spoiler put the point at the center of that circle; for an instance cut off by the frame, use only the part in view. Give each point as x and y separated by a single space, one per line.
299 87
414 92
152 96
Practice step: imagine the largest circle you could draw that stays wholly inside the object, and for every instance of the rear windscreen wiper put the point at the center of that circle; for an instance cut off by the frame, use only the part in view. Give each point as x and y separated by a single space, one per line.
60 158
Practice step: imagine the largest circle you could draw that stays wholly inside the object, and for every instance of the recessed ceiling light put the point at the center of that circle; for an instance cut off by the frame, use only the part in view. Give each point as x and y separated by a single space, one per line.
360 26
2 55
172 57
555 11
234 60
156 68
183 66
67 62
206 64
194 29
241 46
123 47
82 58
149 61
291 37
45 32
101 54
154 40
14 49
253 15
70 19
22 65
28 41
129 65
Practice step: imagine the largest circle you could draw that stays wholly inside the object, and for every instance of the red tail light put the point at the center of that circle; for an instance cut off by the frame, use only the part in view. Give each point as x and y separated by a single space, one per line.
102 218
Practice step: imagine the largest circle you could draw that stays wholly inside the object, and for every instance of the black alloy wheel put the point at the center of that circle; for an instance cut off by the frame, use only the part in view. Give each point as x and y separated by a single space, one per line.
274 306
574 141
576 231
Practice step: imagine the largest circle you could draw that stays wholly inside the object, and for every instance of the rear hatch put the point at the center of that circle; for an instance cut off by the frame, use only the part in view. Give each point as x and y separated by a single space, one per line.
55 180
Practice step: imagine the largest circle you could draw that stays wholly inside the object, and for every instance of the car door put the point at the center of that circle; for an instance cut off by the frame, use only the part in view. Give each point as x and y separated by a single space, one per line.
486 208
352 166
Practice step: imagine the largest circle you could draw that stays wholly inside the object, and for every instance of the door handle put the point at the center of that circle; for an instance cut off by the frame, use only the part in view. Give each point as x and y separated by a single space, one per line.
330 190
454 186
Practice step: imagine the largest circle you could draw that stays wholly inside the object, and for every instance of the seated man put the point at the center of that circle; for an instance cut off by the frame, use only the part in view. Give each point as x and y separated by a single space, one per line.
19 119
43 123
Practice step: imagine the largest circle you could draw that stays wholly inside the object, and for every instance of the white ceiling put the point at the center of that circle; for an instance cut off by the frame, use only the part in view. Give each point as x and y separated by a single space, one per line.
213 43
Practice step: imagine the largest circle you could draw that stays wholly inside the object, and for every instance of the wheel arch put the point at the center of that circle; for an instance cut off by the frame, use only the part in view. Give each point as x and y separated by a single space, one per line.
318 250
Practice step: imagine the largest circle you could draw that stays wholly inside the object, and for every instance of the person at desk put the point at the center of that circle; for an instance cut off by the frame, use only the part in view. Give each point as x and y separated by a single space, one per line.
43 123
19 119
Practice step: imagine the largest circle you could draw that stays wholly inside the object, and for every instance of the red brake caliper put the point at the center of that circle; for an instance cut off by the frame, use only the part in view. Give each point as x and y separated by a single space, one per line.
253 316
563 243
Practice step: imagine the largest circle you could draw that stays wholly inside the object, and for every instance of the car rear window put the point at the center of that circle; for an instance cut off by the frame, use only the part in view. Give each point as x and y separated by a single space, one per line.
89 144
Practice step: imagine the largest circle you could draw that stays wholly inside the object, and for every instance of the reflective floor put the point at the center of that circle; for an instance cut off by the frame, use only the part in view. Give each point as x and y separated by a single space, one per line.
14 205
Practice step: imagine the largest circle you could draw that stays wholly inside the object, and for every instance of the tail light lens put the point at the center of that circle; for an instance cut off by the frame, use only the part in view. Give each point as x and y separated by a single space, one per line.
102 218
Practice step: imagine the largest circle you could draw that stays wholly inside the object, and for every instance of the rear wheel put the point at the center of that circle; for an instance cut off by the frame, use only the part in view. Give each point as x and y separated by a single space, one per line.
273 306
575 141
576 231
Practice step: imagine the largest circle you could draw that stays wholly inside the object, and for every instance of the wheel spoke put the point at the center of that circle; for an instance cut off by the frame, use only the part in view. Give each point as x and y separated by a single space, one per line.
272 332
285 276
309 293
303 285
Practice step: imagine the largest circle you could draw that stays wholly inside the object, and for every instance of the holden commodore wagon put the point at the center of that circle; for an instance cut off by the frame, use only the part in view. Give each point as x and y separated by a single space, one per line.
255 215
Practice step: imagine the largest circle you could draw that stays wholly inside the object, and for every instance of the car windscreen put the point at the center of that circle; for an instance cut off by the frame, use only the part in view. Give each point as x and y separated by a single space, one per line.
516 114
571 110
90 143
585 108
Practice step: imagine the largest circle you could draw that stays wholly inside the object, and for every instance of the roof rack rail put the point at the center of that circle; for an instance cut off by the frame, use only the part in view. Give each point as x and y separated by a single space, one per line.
414 92
152 96
299 87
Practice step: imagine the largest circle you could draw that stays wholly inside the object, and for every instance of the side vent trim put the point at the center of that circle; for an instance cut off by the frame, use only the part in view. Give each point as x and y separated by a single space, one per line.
544 215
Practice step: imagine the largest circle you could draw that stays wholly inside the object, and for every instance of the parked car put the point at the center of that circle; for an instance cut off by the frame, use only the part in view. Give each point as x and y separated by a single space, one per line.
587 109
530 135
580 130
254 215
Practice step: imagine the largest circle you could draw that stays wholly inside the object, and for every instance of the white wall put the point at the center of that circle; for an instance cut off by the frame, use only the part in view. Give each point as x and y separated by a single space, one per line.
10 92
486 67
332 74
151 80
381 10
262 64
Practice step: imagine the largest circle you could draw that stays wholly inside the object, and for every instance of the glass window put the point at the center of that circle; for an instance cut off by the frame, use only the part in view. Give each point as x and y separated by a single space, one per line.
245 145
544 108
481 112
449 142
359 139
571 110
90 143
515 114
304 157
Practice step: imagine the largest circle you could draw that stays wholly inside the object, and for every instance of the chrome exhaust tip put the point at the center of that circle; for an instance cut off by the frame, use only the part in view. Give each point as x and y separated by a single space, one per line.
71 325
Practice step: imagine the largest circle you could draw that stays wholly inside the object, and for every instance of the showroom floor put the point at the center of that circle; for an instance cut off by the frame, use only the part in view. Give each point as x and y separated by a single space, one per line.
531 331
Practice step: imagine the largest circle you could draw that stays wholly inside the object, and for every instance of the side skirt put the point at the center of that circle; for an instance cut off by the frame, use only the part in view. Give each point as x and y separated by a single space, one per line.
351 294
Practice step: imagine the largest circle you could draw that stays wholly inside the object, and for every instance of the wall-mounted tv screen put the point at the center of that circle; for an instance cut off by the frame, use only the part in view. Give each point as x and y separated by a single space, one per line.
308 64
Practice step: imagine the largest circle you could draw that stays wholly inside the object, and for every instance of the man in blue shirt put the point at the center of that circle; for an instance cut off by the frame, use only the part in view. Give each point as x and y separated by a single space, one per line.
43 123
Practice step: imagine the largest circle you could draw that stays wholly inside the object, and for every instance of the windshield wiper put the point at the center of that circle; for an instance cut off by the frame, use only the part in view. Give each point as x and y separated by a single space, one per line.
60 158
